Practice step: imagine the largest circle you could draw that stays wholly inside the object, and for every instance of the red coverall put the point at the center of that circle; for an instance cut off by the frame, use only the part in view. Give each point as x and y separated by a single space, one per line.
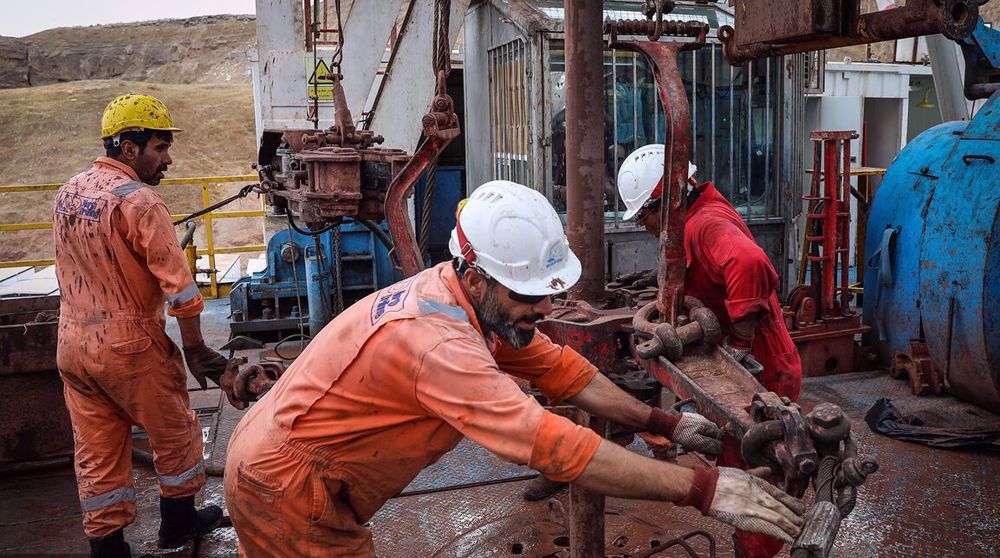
384 390
117 260
732 275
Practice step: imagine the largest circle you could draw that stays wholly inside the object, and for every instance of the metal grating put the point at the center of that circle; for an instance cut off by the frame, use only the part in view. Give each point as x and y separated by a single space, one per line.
508 90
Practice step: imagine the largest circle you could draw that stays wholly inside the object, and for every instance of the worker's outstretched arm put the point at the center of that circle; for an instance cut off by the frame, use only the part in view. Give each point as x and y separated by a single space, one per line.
728 495
603 398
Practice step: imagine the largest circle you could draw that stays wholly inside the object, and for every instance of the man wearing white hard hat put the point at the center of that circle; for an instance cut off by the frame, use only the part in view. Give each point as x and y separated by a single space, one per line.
399 378
732 276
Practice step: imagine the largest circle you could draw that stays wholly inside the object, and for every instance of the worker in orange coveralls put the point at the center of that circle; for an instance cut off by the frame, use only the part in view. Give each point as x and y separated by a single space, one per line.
733 277
399 378
117 262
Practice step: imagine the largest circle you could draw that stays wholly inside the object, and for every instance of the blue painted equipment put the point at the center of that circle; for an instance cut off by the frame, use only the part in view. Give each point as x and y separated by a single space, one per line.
932 281
300 291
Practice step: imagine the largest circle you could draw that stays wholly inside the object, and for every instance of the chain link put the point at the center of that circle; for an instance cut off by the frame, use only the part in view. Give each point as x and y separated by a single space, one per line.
338 276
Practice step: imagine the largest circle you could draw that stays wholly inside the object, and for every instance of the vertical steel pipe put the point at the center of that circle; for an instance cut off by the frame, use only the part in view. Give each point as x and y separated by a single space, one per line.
844 226
830 202
586 509
585 210
585 144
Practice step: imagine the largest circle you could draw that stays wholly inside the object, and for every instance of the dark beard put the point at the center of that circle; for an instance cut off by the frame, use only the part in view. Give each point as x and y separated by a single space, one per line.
493 318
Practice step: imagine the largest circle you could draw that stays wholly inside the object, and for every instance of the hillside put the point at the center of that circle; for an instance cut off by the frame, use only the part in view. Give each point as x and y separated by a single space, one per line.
51 133
209 49
55 84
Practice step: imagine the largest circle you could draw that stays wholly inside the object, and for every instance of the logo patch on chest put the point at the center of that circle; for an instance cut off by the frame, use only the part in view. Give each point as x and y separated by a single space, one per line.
81 207
391 299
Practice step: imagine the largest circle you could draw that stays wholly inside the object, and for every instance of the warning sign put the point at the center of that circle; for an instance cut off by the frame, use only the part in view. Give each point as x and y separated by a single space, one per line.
320 79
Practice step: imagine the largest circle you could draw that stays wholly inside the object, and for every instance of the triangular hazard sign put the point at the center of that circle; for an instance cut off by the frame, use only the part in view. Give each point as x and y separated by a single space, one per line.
321 74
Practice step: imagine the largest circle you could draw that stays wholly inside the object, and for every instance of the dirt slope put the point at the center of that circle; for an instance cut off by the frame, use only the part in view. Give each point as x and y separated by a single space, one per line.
210 49
50 133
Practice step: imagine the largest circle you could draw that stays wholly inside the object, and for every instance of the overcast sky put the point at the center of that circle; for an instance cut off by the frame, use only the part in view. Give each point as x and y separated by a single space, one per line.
25 17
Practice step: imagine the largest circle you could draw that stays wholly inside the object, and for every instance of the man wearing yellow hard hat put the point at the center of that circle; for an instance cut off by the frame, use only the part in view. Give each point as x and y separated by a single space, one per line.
118 261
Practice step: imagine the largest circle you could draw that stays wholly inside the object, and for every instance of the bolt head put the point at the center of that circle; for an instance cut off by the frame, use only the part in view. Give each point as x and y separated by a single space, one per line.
826 415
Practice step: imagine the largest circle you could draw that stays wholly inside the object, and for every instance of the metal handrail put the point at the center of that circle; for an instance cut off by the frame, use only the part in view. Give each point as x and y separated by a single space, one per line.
211 250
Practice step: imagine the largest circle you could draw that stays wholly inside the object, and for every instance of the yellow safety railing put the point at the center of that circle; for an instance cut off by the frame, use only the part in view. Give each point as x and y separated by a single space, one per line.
211 250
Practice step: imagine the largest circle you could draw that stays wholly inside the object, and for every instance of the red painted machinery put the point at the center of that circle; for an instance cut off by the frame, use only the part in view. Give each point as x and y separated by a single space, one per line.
818 314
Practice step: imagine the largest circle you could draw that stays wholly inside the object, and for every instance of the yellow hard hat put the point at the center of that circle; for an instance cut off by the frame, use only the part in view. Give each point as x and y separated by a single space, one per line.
132 111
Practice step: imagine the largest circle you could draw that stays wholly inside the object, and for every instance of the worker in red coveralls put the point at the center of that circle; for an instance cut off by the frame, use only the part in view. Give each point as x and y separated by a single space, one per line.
733 277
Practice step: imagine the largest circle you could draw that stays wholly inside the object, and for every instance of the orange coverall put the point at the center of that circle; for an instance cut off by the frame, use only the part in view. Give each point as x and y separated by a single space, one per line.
117 260
384 390
732 275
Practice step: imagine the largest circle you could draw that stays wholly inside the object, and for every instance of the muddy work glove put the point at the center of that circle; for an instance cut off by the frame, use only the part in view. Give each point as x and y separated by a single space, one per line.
691 430
204 363
746 502
638 280
740 347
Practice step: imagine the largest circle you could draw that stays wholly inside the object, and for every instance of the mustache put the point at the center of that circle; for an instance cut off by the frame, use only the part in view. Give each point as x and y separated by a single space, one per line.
532 318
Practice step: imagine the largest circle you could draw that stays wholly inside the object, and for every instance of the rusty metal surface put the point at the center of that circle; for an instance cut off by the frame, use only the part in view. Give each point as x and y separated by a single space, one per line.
440 127
495 521
585 145
34 423
917 366
818 315
671 267
467 464
924 503
775 27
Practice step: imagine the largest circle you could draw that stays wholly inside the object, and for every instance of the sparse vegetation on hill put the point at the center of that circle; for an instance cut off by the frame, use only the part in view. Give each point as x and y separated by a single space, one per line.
198 67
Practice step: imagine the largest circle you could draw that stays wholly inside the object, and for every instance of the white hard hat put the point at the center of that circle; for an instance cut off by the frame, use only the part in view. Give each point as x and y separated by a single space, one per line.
513 234
640 175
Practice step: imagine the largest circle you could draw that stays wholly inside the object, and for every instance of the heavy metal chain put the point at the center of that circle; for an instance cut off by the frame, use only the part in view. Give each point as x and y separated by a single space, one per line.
338 275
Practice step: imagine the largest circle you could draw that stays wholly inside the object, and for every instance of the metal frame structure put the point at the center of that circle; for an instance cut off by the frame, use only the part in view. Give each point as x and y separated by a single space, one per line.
778 84
204 182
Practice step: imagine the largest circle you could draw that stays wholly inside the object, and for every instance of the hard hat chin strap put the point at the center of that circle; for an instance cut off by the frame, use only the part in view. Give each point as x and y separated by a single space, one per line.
468 253
658 190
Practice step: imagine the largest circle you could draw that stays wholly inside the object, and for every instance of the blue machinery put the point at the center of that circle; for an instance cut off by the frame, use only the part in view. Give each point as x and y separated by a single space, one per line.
932 282
299 288
302 289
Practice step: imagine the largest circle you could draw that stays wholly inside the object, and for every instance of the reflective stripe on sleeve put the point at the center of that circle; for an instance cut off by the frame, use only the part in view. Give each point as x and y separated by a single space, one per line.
126 189
428 306
187 295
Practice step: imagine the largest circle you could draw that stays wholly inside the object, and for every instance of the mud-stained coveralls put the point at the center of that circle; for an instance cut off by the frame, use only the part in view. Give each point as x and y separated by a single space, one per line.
117 260
384 390
732 275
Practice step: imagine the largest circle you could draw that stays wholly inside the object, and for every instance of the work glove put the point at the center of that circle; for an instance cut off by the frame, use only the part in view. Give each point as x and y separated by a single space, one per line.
739 348
691 430
638 280
204 363
746 502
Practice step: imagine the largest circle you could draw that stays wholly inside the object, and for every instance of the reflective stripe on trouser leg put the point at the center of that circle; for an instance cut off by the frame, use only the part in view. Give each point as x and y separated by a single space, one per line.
94 503
103 459
186 476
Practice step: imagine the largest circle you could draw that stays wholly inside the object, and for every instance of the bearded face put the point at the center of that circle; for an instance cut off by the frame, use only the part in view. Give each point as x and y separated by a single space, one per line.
516 331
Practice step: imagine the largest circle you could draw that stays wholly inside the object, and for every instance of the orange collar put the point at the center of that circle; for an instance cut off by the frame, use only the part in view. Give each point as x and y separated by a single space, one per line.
117 165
